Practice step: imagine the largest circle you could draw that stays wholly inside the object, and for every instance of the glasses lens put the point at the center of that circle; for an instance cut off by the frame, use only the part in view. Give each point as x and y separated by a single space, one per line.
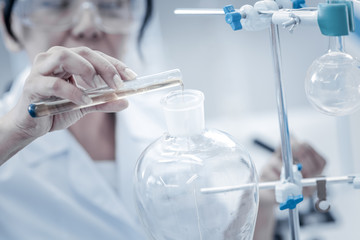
113 16
45 13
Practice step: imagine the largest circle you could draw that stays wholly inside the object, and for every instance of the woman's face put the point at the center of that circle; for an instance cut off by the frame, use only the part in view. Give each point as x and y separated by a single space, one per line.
84 26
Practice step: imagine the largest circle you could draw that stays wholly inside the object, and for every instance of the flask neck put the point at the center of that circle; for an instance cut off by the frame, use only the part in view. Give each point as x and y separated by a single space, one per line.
184 112
336 44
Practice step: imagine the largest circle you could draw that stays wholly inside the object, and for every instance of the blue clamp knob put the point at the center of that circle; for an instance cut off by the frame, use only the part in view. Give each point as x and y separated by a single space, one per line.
299 166
232 18
291 202
298 4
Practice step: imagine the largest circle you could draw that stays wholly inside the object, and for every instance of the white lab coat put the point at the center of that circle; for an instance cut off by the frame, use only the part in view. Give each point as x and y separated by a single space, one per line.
52 190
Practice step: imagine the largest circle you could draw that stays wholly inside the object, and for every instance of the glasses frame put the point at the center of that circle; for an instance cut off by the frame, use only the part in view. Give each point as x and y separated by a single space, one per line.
122 26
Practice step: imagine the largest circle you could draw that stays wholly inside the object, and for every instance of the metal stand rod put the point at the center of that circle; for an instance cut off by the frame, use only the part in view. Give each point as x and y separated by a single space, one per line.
284 128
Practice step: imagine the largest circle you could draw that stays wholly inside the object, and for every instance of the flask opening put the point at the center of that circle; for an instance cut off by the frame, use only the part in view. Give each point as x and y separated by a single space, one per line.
184 112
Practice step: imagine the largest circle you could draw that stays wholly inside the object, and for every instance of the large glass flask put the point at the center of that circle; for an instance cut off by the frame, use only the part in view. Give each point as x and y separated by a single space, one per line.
332 82
176 176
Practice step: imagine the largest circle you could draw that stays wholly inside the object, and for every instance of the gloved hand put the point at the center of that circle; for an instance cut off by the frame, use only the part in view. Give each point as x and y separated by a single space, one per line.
52 74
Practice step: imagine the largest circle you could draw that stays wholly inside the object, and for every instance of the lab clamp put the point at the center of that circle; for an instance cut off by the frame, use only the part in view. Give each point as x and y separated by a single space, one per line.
332 85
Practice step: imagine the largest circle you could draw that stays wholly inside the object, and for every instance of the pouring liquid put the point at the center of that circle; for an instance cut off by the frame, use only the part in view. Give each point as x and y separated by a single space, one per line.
54 106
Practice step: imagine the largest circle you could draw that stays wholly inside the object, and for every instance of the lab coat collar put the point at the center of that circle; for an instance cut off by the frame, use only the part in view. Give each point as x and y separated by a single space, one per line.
91 186
137 127
80 175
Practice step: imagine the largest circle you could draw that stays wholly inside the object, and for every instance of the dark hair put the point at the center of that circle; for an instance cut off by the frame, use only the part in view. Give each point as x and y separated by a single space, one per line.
9 4
7 16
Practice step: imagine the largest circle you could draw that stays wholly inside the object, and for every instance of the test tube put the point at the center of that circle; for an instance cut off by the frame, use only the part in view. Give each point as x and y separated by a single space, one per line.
52 106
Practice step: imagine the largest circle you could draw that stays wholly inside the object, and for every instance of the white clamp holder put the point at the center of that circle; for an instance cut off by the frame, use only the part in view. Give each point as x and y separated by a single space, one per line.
252 20
284 3
263 13
289 194
356 182
293 17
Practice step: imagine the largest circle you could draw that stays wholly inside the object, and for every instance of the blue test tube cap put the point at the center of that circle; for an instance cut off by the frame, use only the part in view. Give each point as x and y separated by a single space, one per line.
32 110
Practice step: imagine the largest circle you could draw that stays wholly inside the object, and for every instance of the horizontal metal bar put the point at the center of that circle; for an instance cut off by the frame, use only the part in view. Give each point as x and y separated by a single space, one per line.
271 185
199 11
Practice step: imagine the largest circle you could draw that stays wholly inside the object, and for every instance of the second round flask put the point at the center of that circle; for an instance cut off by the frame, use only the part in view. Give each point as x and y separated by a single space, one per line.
174 173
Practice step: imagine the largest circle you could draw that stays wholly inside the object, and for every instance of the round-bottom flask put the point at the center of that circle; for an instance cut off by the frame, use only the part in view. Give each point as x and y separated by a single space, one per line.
181 178
332 83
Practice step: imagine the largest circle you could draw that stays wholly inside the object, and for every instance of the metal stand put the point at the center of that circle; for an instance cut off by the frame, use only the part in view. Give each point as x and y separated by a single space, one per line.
284 128
288 19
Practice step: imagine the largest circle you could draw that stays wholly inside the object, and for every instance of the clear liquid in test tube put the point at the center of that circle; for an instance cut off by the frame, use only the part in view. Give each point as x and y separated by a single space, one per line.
102 95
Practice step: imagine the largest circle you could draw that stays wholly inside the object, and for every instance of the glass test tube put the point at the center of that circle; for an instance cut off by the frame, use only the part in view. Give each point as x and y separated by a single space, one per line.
102 95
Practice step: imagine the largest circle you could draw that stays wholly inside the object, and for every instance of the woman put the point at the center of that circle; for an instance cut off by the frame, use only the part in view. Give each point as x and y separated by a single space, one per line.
69 198
77 183
37 26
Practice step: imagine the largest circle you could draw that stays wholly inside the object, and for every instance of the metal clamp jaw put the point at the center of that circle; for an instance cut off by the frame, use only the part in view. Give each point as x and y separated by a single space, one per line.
321 205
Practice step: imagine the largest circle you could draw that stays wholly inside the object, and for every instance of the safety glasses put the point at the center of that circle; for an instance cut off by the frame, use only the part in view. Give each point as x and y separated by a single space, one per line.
111 16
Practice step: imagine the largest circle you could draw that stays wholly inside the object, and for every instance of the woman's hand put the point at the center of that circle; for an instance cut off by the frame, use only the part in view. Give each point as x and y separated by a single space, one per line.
313 164
52 74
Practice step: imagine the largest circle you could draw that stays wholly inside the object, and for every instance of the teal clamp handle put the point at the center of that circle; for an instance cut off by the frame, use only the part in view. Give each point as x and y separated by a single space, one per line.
336 19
